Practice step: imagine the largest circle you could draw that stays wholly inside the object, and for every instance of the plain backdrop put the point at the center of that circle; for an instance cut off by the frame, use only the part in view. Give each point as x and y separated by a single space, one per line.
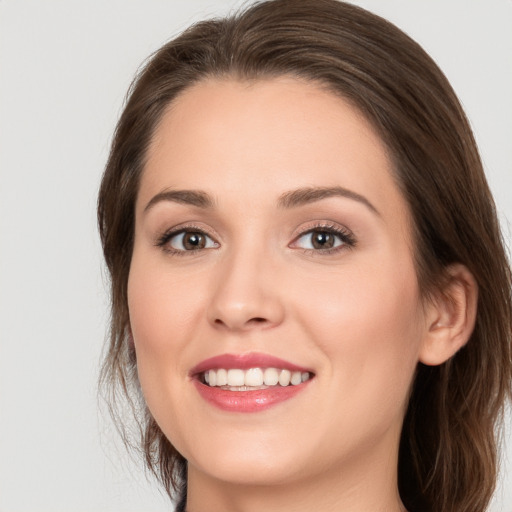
65 66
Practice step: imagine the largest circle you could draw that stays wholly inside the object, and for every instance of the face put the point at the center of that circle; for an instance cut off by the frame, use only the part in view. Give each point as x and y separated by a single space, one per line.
272 244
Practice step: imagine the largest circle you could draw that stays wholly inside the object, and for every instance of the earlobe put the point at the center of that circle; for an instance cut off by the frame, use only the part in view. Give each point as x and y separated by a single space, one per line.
451 317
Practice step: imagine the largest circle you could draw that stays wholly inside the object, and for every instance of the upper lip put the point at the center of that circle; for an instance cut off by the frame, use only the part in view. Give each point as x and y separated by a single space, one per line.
244 362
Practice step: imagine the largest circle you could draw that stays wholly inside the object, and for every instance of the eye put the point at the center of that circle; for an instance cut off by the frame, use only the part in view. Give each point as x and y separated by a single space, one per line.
319 240
186 240
324 239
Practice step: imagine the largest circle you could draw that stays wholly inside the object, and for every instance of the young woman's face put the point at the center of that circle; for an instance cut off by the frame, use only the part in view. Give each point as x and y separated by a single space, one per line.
272 243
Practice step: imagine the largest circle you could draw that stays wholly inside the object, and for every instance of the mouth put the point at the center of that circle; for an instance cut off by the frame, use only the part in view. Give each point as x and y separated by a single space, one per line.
248 382
237 379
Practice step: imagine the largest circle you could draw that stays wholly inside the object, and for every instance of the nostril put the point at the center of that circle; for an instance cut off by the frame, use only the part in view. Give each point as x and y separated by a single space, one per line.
252 321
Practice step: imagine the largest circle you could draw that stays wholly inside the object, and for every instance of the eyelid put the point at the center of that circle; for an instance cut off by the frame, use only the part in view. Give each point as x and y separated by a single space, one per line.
344 234
162 240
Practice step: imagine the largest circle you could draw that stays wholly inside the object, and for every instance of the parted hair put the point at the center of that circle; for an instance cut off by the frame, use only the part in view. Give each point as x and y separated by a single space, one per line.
449 447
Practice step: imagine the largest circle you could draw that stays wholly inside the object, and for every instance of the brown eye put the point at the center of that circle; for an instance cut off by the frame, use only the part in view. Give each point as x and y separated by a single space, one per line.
322 240
193 241
190 241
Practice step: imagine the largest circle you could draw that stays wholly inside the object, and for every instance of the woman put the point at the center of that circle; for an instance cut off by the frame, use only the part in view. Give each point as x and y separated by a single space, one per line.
309 287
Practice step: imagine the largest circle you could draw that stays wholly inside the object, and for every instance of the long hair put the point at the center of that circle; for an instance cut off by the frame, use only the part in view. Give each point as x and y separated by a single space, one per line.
448 450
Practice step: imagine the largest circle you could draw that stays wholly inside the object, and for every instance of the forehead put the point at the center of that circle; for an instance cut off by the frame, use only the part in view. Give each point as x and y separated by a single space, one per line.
263 138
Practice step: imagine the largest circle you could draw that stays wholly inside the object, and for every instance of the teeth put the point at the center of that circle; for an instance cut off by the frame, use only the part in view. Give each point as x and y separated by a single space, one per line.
222 377
296 378
270 377
254 378
235 377
284 377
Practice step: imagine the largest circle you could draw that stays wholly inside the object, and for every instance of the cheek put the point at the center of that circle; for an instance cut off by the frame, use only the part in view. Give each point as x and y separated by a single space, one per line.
368 323
162 306
361 299
162 309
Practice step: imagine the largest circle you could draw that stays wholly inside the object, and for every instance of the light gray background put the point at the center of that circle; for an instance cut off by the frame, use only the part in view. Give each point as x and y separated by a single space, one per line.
64 68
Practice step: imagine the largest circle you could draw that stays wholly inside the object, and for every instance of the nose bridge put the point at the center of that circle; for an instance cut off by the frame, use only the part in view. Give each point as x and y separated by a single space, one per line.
245 292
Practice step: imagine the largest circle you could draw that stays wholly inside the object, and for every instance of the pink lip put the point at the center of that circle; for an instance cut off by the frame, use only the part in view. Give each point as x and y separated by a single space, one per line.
246 401
244 362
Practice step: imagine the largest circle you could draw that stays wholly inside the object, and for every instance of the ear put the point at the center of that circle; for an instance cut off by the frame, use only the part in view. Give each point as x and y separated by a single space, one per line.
451 316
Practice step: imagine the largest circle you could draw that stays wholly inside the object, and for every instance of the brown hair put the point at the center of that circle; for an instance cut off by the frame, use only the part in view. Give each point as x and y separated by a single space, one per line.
448 452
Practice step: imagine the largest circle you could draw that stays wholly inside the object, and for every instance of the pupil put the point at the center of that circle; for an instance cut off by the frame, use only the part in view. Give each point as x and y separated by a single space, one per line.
323 240
193 241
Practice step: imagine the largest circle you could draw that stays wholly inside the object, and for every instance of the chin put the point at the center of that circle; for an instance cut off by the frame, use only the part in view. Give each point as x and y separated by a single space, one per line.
250 461
253 471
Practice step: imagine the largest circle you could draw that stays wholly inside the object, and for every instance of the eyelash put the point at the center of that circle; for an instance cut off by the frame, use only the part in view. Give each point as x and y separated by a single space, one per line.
344 235
164 240
348 240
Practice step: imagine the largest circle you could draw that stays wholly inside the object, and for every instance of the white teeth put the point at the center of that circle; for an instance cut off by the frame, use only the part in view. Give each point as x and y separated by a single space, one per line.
296 378
284 377
270 377
236 379
222 377
253 377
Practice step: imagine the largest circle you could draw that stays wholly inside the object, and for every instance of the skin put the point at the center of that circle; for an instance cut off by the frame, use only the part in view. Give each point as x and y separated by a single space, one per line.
355 316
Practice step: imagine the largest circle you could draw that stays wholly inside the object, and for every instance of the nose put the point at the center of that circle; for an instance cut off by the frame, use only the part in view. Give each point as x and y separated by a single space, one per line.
246 293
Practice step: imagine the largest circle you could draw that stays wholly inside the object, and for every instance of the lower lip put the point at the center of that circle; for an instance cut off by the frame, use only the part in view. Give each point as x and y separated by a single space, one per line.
247 401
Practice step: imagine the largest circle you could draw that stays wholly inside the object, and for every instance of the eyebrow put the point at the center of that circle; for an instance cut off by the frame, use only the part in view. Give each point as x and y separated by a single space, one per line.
308 195
288 200
191 197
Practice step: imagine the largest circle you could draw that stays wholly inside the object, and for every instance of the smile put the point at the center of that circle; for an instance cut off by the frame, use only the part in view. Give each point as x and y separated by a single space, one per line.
237 379
248 382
